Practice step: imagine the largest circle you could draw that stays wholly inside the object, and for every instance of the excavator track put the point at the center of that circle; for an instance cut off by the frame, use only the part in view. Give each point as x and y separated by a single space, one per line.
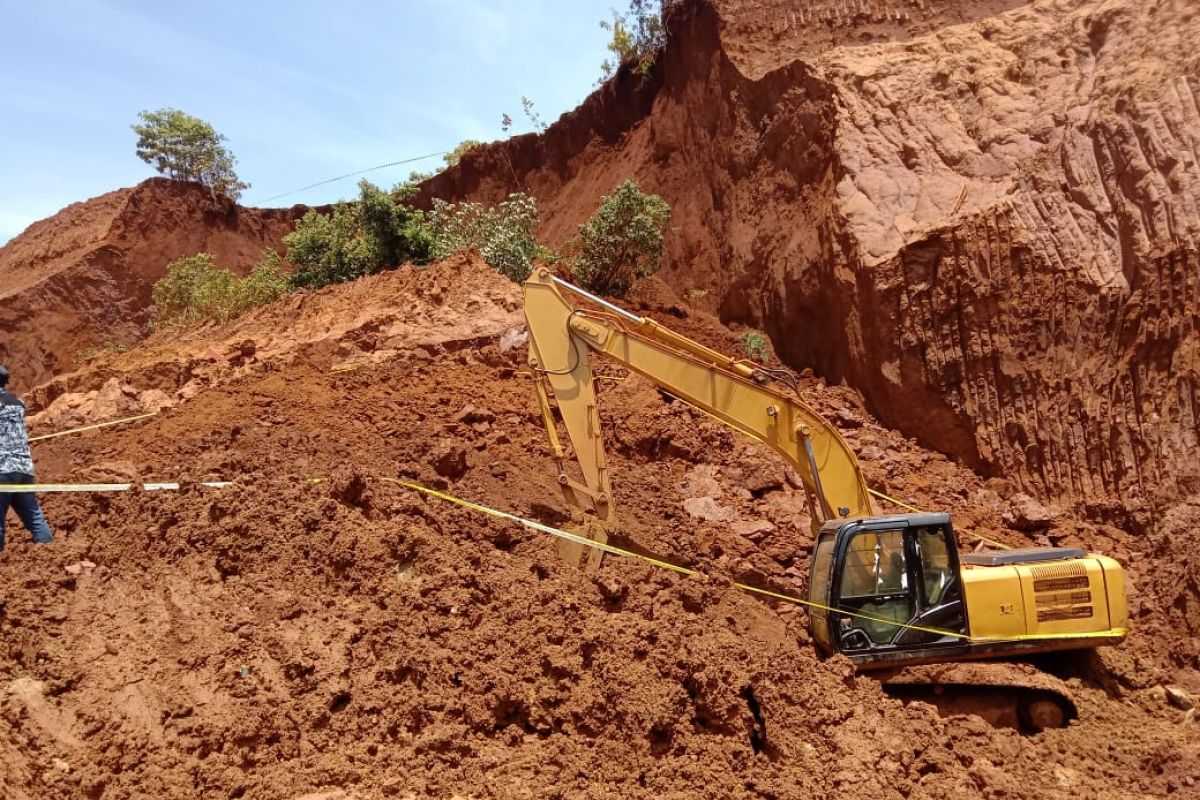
1006 695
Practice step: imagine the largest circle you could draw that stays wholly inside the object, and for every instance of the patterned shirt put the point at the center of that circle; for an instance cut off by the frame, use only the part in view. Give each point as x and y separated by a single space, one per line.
14 439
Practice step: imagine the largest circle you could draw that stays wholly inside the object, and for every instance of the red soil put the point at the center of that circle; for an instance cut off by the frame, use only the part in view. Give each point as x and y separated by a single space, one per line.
352 639
980 215
82 278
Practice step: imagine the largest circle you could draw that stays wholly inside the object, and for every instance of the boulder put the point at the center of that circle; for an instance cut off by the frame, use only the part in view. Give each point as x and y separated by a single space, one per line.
1026 514
1179 698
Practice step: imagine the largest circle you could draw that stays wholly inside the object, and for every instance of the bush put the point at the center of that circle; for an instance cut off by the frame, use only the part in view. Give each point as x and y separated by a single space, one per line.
465 146
393 232
379 232
755 345
622 241
326 248
637 35
186 148
195 289
503 234
268 281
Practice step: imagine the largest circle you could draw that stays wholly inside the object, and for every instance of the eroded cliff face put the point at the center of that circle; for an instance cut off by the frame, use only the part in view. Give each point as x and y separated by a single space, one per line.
83 278
762 35
985 218
1017 202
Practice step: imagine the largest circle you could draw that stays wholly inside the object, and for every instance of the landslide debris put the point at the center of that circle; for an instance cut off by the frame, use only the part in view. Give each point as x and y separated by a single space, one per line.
288 639
980 214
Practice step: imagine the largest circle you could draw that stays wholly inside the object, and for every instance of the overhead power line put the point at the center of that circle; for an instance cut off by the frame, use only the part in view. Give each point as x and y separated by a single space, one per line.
350 175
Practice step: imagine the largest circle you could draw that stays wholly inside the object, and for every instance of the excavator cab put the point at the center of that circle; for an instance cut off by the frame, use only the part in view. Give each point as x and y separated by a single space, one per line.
890 588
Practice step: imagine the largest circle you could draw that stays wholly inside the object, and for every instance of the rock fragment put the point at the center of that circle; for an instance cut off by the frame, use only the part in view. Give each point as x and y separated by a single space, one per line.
1026 514
449 459
1179 698
753 529
707 509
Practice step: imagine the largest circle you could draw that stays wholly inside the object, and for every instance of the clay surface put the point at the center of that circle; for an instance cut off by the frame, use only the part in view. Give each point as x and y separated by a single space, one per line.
283 638
80 281
982 215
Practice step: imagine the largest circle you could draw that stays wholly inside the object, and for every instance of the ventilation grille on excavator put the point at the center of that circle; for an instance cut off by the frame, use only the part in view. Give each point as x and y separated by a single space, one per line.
1057 590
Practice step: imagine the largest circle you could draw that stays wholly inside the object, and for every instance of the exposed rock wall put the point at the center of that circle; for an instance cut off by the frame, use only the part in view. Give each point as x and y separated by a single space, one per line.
985 217
1018 203
762 35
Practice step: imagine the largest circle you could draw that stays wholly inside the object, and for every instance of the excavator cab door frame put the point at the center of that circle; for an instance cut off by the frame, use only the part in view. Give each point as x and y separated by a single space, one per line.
895 575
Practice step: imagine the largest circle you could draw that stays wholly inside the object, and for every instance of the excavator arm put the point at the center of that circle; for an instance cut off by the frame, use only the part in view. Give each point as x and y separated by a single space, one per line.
733 391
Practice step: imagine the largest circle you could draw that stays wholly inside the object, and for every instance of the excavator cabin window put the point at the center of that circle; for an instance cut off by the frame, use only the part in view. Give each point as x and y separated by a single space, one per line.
937 573
875 584
894 577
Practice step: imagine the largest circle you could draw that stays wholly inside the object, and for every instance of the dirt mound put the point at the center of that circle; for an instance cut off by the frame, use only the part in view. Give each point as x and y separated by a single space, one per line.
342 329
81 280
988 228
351 639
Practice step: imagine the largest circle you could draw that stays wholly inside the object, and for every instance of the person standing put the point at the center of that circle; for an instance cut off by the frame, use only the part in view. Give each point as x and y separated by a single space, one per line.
16 466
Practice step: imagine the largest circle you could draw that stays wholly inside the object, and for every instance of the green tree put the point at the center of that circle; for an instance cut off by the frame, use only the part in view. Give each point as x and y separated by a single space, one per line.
504 233
622 241
637 36
620 44
186 148
378 232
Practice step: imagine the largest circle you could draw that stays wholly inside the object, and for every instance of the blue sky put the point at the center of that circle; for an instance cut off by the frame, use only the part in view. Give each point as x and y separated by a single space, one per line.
303 90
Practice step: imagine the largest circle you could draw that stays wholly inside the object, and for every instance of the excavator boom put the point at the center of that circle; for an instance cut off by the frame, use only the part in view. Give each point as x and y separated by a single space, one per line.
733 391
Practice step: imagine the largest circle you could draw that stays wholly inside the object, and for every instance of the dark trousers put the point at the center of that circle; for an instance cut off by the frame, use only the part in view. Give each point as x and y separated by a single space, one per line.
27 508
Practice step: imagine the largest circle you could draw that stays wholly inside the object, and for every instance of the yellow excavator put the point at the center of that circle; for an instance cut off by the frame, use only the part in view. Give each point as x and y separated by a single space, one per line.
884 590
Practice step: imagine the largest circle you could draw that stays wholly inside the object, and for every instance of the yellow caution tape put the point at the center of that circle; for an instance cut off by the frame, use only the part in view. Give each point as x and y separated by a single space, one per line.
92 427
1115 633
900 503
11 488
353 367
618 551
